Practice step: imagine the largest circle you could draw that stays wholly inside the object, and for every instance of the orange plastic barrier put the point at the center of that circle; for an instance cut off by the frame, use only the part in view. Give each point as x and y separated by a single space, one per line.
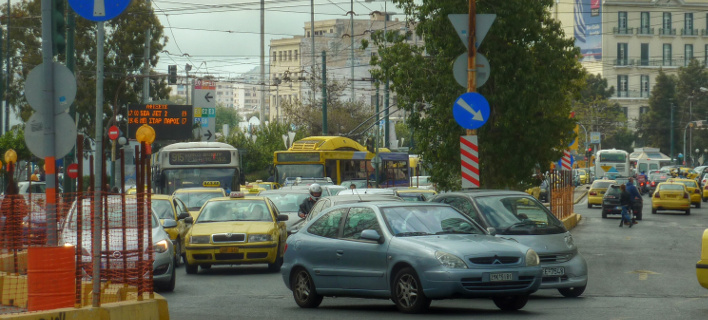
50 277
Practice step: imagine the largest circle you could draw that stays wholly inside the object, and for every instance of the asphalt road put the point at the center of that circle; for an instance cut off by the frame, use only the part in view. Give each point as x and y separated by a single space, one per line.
646 272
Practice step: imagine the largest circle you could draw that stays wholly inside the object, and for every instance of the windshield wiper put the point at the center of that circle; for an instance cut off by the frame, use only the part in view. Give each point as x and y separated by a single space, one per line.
520 223
456 232
414 233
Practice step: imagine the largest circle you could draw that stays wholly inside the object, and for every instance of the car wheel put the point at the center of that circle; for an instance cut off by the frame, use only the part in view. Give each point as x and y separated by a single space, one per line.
171 285
572 292
604 214
511 303
653 211
408 292
304 291
638 216
589 205
688 212
191 268
275 266
705 199
698 205
178 253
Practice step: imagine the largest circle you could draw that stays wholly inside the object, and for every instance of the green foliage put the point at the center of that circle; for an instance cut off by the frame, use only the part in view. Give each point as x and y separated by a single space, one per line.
257 157
124 47
654 127
597 113
225 115
14 139
530 101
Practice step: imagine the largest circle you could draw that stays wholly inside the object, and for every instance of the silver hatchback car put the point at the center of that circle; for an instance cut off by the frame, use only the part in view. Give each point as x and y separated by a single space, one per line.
517 215
409 252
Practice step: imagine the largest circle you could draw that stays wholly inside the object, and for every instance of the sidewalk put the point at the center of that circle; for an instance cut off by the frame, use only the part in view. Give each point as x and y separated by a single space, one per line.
580 192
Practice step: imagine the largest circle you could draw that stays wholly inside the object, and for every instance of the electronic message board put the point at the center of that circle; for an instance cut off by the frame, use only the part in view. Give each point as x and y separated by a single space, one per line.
171 122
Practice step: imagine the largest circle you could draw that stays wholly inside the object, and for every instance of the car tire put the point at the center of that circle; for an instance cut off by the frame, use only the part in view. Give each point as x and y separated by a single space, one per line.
653 211
408 293
589 205
191 268
304 291
572 292
169 287
604 214
688 212
511 303
275 266
178 253
698 205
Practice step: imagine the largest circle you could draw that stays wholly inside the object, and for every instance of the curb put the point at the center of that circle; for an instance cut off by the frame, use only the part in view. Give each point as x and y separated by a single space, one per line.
585 193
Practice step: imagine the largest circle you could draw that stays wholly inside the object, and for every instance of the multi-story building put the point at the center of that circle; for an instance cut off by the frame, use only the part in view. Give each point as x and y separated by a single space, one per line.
629 41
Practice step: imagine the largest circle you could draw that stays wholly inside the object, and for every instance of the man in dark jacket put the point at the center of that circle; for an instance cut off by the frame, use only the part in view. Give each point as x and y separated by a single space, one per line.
309 202
625 202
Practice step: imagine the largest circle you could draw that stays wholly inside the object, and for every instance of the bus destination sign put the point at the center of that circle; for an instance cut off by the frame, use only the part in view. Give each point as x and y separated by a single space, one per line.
299 157
171 122
200 157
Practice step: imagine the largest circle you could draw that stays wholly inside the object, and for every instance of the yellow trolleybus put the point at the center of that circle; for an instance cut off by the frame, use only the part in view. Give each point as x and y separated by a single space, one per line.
341 159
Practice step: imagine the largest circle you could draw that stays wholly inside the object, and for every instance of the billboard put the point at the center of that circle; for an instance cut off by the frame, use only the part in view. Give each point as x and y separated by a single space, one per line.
171 122
588 29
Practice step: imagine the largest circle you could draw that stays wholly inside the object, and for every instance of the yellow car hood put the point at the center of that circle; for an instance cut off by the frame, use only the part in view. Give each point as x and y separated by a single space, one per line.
248 227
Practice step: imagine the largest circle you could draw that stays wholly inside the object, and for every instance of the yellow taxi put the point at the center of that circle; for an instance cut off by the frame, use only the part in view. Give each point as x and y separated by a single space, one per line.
266 185
693 189
195 197
582 176
671 196
237 229
702 265
415 194
251 189
170 208
597 190
684 171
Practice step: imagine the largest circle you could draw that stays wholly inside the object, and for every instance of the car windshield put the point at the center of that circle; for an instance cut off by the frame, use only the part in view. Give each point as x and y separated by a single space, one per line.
518 215
195 200
234 210
412 196
689 183
601 184
162 208
427 220
286 202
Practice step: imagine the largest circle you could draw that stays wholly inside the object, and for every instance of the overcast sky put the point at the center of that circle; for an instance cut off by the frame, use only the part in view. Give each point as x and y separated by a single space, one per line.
222 38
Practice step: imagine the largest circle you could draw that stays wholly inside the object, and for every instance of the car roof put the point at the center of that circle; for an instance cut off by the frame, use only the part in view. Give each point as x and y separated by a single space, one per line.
161 196
486 192
199 189
389 204
285 191
364 197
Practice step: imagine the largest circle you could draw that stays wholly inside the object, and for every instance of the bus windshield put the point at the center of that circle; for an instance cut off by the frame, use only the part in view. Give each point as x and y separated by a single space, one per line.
613 157
198 177
299 170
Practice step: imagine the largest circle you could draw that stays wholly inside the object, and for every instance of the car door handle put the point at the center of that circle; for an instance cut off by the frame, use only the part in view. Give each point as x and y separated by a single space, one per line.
340 252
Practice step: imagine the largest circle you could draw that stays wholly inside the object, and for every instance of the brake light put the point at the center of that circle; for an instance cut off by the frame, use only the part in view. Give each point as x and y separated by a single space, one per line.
685 195
696 191
593 193
285 248
656 194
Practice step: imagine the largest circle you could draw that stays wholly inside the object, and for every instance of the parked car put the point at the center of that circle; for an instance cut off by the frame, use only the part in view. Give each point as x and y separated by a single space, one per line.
170 208
671 196
702 265
516 215
409 252
611 203
123 252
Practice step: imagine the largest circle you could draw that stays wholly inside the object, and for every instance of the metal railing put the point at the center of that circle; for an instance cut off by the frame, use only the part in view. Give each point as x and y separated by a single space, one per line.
689 32
645 31
667 32
623 31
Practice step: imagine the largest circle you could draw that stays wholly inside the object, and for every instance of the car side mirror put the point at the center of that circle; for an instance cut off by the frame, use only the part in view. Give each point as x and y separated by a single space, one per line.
372 235
492 231
169 223
183 215
283 217
189 219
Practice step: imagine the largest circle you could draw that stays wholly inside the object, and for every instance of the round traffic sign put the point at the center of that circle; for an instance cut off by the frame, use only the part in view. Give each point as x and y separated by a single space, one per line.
471 110
99 10
64 135
64 88
72 170
113 132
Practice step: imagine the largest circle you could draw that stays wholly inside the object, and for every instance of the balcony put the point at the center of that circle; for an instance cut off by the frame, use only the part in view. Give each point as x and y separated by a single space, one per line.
624 62
660 63
667 32
623 31
645 31
631 94
704 33
689 32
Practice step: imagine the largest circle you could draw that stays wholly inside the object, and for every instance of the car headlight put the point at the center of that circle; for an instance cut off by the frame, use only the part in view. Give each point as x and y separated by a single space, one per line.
259 237
450 260
199 239
161 246
532 258
569 241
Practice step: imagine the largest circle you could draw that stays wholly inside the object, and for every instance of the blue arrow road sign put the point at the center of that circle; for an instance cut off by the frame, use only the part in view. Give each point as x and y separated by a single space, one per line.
471 110
99 10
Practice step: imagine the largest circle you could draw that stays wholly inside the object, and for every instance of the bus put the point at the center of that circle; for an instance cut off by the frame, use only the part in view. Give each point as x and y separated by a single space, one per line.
341 159
612 163
196 164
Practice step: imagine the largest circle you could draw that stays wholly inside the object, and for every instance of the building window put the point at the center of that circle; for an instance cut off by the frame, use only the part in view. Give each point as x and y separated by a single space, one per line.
644 82
622 22
643 110
290 55
622 86
666 25
667 55
308 34
705 55
275 56
688 24
622 54
280 55
295 55
624 110
687 54
331 30
645 24
644 54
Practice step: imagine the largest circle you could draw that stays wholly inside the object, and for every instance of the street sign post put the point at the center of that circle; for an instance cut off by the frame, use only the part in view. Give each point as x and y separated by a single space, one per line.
99 10
204 96
471 110
64 135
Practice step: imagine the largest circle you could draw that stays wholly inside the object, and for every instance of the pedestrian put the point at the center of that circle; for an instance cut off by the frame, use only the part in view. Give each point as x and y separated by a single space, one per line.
625 202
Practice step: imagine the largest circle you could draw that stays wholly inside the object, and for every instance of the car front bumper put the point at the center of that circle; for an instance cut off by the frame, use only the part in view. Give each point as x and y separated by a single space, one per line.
162 267
232 254
475 283
575 274
681 204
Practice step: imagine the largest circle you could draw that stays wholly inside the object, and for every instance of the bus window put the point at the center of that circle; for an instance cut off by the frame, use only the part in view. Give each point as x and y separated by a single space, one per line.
642 167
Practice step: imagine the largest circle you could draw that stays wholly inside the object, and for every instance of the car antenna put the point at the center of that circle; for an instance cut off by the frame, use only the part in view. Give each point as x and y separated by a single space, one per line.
356 191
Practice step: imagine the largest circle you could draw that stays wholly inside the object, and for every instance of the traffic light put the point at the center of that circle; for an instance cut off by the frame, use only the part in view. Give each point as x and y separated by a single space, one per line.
58 26
172 70
588 153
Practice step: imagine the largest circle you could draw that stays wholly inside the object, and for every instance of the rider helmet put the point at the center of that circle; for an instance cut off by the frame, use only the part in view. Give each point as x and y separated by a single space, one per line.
315 191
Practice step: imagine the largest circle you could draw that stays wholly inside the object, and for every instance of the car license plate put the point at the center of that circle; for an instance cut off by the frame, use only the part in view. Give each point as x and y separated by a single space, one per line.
228 249
553 271
501 277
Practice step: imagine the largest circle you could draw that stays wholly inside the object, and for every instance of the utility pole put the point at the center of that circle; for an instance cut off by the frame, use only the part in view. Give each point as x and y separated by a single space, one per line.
324 92
672 131
386 114
262 108
7 71
146 59
71 64
312 37
376 135
351 19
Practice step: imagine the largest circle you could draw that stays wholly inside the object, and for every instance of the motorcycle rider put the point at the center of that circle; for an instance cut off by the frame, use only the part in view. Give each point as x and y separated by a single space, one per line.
309 202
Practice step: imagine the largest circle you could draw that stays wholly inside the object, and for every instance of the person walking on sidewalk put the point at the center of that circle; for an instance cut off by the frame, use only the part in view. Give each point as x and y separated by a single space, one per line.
625 202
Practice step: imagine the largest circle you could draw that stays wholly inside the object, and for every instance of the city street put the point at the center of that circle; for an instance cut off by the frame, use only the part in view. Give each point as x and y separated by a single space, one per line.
646 272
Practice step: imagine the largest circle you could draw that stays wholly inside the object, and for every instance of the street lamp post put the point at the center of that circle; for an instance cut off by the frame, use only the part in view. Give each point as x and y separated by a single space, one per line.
689 124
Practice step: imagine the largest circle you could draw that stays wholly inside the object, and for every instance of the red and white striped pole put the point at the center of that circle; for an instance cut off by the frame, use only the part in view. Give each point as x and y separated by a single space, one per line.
469 152
565 161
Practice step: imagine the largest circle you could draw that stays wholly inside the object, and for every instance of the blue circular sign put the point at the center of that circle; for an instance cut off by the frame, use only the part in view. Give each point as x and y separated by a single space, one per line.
471 110
99 10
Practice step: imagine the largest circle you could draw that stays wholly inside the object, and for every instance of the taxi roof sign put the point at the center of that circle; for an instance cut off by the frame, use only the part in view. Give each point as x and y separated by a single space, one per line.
211 183
236 194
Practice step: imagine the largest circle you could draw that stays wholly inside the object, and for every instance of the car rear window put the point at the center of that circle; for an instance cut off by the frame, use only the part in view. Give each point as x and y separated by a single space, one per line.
601 184
673 187
613 190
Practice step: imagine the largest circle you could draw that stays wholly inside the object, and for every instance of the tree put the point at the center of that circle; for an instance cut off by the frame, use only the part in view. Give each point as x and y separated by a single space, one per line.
124 46
597 113
654 127
530 102
225 115
692 105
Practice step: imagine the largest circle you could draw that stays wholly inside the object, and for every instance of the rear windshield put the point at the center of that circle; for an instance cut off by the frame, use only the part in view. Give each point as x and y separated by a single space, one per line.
614 189
674 187
689 184
601 184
